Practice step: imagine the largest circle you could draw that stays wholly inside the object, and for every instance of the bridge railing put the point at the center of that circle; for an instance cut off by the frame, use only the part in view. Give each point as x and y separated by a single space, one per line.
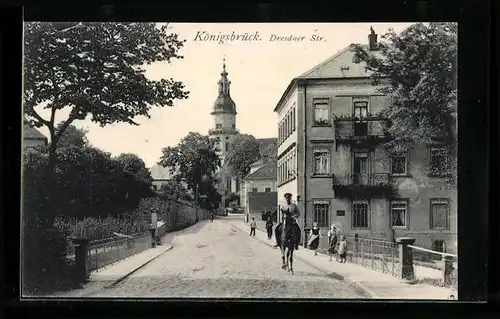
434 267
104 252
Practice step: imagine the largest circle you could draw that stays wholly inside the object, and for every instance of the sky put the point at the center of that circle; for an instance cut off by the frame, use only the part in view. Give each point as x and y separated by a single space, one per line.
259 71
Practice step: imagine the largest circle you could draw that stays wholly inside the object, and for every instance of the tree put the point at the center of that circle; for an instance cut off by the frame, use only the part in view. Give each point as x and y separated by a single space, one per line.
419 66
72 136
175 190
136 166
196 162
244 151
95 69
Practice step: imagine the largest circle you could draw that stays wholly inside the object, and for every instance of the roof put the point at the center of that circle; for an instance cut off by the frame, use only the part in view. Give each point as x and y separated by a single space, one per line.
30 132
257 163
224 104
159 172
338 66
267 171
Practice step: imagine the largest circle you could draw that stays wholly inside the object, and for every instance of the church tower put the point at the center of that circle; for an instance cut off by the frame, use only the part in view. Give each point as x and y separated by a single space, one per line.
224 115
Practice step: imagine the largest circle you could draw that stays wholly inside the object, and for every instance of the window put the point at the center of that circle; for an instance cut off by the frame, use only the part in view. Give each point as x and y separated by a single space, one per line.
280 136
293 119
360 109
341 213
321 112
237 184
218 126
360 215
399 165
227 146
439 213
321 162
438 161
268 189
321 209
438 245
399 213
287 126
255 189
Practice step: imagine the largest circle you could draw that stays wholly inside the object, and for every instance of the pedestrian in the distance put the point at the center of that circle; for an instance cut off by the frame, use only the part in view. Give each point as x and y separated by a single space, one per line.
342 249
314 237
332 241
269 228
253 225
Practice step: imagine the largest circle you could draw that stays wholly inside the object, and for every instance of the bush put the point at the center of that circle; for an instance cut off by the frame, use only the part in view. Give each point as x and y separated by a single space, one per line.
100 228
44 264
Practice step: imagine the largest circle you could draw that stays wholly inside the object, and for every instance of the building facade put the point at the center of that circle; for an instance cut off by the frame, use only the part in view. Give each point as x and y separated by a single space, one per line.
330 157
259 189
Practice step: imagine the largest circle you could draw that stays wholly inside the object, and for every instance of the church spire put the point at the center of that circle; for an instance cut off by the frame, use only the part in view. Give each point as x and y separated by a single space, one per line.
224 83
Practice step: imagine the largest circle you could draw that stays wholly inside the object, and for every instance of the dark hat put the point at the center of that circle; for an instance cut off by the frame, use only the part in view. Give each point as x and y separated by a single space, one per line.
288 195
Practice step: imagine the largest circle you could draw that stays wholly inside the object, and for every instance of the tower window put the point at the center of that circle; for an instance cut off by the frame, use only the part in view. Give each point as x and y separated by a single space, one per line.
218 126
227 146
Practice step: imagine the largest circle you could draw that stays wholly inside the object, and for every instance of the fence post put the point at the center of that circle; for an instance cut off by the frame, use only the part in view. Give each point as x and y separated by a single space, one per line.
356 245
405 258
81 257
448 269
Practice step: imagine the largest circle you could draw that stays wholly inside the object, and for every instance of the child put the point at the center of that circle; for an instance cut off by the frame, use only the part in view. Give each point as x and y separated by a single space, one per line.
253 225
314 237
342 249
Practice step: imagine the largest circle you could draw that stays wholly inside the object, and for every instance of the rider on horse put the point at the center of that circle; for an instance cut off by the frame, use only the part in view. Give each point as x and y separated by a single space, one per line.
290 214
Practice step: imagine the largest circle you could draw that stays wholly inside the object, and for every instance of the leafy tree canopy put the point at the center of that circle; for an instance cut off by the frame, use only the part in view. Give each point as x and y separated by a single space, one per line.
136 166
95 69
244 151
175 190
419 66
72 136
195 161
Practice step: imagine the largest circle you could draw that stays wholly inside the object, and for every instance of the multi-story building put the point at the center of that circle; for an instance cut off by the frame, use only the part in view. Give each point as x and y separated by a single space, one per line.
259 189
330 157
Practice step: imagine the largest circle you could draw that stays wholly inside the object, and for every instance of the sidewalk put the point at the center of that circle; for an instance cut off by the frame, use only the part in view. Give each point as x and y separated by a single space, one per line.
378 285
125 267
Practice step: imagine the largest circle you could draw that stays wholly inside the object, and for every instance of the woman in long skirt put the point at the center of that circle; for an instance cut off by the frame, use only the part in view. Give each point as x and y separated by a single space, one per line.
332 241
314 238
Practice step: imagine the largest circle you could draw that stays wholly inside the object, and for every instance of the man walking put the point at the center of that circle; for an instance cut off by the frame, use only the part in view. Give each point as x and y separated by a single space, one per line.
253 225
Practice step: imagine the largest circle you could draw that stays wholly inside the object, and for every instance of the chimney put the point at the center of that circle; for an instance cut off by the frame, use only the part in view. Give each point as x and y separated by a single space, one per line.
372 40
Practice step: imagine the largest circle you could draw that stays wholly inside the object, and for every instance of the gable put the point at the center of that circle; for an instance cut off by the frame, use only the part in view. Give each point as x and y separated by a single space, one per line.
159 172
340 65
267 171
32 133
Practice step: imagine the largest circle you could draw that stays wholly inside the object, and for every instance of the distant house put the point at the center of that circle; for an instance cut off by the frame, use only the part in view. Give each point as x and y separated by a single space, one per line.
33 137
259 191
160 175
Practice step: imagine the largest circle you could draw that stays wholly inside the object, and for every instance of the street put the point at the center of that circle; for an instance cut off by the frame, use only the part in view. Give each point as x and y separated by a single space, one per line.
217 260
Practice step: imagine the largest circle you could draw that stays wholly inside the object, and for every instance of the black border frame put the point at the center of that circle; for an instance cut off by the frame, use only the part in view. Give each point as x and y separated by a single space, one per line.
474 153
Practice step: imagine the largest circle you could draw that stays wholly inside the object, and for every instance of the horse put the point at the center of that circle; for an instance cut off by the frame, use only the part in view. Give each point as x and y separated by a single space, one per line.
288 239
